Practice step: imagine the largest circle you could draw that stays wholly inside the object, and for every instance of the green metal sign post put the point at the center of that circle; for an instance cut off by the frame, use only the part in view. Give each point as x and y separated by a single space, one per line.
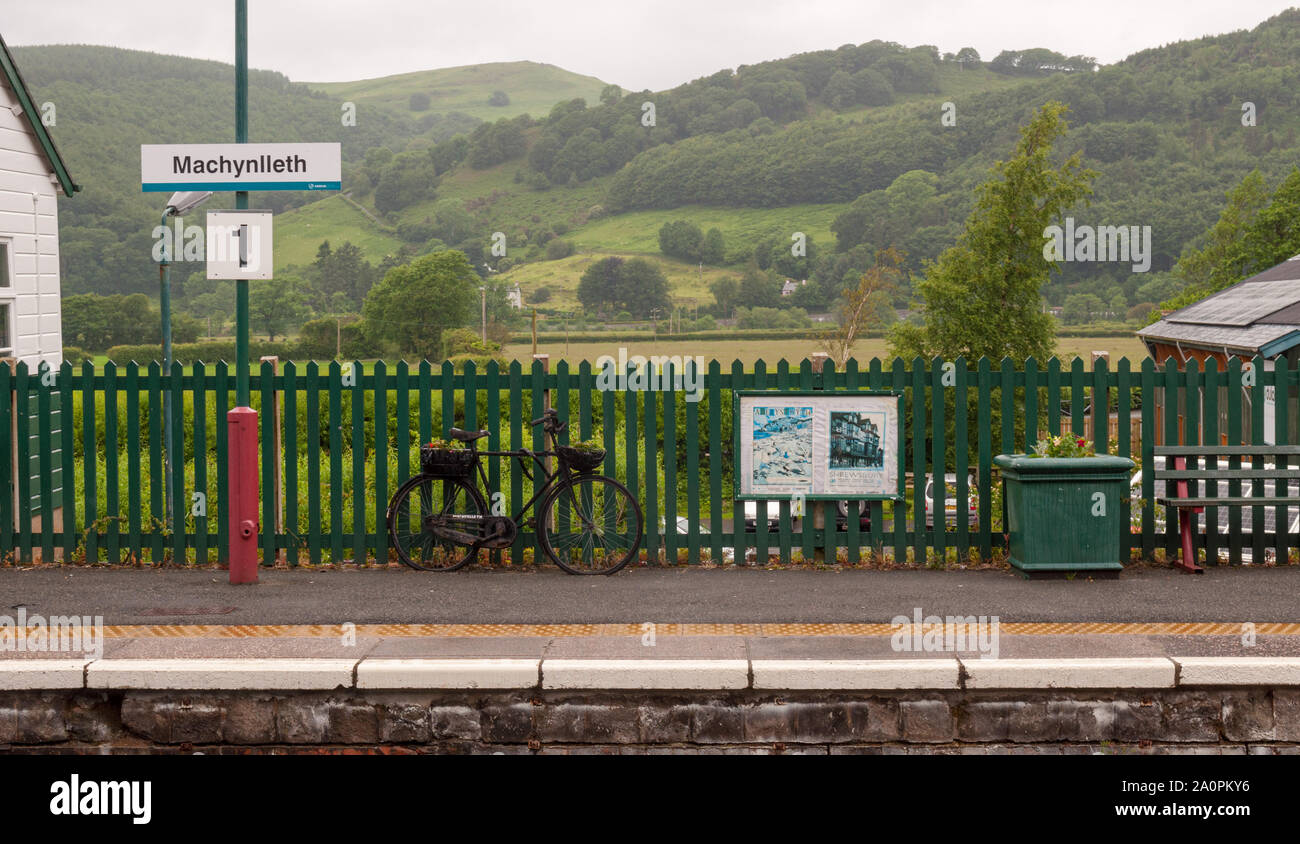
241 422
194 171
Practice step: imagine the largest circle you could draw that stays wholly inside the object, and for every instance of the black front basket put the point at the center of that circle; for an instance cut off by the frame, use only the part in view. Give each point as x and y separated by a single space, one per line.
446 462
580 459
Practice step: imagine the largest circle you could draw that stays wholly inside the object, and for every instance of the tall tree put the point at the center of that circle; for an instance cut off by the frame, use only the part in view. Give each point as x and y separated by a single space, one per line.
275 305
614 284
982 296
861 306
1252 234
725 290
416 302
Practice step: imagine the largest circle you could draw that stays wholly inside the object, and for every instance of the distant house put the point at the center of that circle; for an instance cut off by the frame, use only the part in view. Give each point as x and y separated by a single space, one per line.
31 177
515 298
1258 316
791 286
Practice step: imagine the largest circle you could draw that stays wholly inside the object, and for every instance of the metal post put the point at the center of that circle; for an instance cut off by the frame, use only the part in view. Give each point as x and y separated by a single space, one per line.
241 198
165 310
241 422
819 508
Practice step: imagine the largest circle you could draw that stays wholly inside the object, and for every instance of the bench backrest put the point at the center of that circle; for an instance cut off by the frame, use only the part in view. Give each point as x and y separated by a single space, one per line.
1177 457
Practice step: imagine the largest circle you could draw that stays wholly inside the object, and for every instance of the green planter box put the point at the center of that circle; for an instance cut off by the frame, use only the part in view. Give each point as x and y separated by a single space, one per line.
1063 514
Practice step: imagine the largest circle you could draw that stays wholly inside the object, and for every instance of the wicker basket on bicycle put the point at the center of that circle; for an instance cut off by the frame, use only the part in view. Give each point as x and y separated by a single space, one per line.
581 459
446 462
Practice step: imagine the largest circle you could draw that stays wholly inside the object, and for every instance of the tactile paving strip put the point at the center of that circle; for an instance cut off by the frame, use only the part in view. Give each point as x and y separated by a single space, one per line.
274 631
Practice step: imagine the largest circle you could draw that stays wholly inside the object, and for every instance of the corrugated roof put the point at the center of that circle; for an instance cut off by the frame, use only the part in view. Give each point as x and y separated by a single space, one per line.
1255 315
1242 304
1248 338
1288 270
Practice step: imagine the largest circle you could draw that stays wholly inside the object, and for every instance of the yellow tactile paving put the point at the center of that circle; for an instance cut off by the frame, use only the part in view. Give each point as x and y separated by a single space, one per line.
288 631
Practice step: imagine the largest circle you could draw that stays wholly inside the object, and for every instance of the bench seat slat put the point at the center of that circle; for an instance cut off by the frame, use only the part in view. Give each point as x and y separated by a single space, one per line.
1262 501
1225 450
1224 474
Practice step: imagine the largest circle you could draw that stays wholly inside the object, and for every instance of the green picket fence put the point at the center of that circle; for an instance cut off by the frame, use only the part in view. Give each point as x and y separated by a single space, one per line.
86 470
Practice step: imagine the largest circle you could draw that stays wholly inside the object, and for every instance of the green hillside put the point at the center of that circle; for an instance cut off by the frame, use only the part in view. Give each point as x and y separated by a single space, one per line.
299 232
849 146
532 88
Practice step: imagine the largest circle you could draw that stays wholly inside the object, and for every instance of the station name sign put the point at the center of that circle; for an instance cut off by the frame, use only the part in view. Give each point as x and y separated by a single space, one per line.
240 167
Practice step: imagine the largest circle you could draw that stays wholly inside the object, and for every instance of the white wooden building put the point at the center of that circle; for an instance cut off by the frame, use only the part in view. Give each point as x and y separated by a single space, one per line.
32 174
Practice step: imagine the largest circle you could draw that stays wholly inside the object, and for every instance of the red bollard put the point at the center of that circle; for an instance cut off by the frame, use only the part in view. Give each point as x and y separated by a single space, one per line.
241 427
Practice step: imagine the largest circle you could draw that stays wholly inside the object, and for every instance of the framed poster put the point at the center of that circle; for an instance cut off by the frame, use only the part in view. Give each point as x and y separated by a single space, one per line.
823 446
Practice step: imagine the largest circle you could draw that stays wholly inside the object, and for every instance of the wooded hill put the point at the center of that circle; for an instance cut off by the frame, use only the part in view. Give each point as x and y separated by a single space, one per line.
848 143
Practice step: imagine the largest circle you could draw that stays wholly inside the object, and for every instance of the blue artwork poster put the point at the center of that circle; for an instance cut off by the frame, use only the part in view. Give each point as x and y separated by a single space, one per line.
783 446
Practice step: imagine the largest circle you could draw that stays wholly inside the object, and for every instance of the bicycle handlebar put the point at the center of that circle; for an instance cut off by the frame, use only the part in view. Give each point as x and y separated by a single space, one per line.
551 420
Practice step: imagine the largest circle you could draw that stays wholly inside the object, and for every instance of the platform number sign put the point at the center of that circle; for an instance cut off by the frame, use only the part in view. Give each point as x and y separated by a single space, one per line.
239 244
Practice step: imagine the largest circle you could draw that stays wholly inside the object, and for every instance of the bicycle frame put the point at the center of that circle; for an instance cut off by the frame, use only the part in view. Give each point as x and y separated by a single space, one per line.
522 455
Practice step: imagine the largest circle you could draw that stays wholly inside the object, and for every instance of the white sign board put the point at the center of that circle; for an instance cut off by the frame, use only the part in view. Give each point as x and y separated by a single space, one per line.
239 244
829 447
240 167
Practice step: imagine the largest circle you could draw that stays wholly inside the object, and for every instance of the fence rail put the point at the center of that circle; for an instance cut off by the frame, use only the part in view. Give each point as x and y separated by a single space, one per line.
84 452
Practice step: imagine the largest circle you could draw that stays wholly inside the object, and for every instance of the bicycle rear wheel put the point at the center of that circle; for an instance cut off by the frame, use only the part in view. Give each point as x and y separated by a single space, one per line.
590 524
435 523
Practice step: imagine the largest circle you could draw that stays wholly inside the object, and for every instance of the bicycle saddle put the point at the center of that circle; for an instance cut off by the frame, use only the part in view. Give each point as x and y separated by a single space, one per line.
466 436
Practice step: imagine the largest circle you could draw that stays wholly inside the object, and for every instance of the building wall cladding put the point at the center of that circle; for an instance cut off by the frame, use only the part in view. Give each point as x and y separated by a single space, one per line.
1208 720
29 226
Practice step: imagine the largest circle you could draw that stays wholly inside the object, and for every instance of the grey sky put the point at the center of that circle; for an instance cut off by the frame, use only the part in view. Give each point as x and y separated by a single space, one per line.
637 44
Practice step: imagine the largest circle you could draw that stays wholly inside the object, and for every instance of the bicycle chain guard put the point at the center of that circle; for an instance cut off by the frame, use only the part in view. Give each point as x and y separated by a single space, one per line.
500 532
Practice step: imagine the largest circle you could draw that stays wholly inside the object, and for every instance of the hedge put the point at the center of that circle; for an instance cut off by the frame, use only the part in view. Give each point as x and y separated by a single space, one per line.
209 351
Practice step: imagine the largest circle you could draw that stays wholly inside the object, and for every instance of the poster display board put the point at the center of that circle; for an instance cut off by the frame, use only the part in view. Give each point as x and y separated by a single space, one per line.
822 446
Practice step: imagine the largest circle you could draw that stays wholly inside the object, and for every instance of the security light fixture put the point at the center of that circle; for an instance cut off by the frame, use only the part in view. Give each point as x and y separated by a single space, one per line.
183 201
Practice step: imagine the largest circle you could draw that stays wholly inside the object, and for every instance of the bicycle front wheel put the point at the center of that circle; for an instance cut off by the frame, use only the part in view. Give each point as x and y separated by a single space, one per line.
435 524
591 525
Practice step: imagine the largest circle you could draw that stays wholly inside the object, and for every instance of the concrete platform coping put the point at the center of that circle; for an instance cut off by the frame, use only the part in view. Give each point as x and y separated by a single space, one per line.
380 673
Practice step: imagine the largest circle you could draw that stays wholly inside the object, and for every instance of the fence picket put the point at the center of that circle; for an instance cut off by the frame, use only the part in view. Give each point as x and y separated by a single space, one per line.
1234 462
89 457
313 464
336 459
68 467
1281 433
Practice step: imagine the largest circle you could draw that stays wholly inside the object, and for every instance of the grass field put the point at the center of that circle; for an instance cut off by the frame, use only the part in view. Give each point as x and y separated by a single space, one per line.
770 351
533 89
686 282
507 204
639 231
298 233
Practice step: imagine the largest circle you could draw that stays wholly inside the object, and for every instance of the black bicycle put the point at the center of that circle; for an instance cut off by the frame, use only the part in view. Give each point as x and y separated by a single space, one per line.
586 523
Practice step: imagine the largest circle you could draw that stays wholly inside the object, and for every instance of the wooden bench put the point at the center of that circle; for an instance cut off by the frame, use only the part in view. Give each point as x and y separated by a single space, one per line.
1187 485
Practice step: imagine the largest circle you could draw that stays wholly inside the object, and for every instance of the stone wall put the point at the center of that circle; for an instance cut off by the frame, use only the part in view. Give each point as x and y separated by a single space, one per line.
1206 720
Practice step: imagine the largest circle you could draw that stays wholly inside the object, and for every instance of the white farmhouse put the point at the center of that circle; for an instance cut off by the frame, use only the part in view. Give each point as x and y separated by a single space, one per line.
31 176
